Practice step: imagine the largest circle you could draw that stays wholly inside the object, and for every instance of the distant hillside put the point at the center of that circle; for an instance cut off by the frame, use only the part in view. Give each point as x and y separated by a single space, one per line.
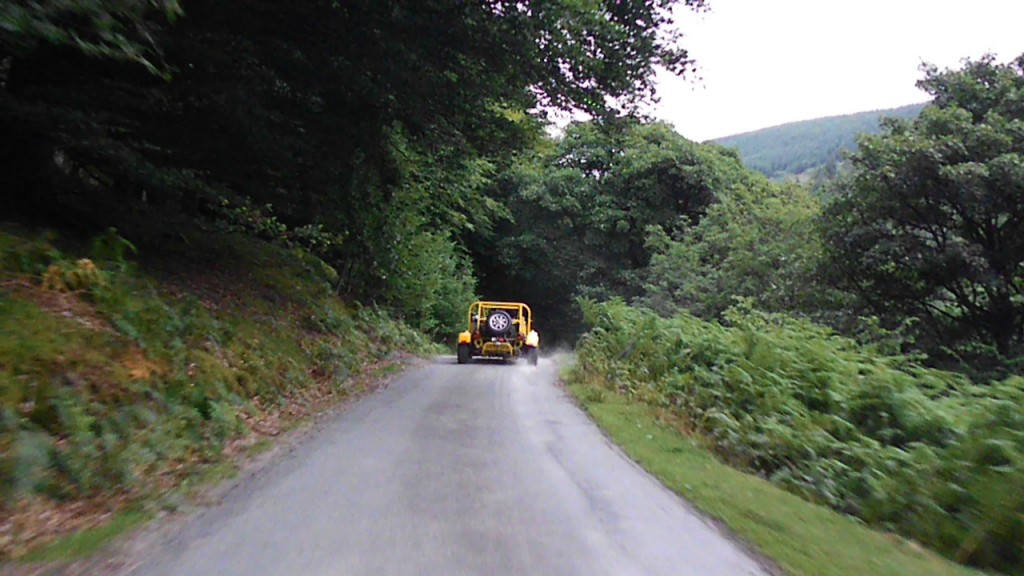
801 148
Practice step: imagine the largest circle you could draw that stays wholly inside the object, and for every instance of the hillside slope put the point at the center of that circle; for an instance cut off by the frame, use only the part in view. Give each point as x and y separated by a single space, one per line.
122 381
798 148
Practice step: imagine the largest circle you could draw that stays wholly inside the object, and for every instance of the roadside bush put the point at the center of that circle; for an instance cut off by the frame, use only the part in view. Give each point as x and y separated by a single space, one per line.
27 253
118 380
431 285
81 275
758 241
922 452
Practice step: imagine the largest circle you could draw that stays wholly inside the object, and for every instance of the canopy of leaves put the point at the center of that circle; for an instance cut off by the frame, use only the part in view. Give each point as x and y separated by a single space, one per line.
581 209
931 223
118 29
759 242
355 128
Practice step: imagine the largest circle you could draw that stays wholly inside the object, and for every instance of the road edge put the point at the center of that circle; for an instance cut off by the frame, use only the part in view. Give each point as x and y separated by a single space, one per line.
748 548
121 554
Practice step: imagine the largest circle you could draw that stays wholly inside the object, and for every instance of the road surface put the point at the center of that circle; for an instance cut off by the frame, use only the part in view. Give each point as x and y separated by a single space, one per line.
483 469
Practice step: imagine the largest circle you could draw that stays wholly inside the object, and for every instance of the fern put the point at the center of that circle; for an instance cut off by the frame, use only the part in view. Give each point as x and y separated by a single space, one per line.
920 451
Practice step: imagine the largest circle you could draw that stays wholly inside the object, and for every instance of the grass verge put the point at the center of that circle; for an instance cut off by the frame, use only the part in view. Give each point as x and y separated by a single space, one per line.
802 538
86 542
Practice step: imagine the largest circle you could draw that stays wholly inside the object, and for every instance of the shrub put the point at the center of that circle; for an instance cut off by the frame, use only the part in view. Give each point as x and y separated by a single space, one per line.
919 451
82 275
135 381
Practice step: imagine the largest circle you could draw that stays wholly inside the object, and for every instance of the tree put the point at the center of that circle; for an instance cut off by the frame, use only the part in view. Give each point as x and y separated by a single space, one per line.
357 116
581 209
758 241
119 29
930 224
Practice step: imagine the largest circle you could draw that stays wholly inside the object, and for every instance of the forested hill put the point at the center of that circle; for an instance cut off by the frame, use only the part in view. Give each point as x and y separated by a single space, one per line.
799 148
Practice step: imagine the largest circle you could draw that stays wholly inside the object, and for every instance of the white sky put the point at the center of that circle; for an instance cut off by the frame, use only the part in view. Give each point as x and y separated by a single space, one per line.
768 62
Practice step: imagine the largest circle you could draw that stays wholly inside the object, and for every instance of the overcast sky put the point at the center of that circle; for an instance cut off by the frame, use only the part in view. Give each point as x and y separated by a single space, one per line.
767 62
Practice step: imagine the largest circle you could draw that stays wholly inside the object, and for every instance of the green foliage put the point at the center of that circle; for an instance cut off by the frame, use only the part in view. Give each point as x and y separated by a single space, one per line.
758 242
128 383
803 539
923 452
262 223
26 253
799 149
581 209
121 29
434 285
112 248
930 224
384 114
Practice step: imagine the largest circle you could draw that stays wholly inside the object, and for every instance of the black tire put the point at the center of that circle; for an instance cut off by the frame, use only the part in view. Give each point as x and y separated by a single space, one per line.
499 323
531 356
464 354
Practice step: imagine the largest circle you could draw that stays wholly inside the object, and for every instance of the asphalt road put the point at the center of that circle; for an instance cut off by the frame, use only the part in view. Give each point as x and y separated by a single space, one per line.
483 469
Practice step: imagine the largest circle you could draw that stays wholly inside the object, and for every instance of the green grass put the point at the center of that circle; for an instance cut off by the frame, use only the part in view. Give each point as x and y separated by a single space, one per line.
35 341
85 543
804 539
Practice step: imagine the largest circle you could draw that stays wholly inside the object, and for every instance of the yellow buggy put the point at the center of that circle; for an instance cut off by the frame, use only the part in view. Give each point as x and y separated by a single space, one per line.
499 330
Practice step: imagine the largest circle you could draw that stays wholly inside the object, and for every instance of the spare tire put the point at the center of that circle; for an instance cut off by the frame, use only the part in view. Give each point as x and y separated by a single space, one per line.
499 323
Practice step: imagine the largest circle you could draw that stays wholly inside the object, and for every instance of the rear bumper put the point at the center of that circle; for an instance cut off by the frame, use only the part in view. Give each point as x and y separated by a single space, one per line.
497 349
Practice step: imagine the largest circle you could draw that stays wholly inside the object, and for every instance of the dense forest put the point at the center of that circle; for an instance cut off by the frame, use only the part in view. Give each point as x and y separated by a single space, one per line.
361 131
860 348
810 149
